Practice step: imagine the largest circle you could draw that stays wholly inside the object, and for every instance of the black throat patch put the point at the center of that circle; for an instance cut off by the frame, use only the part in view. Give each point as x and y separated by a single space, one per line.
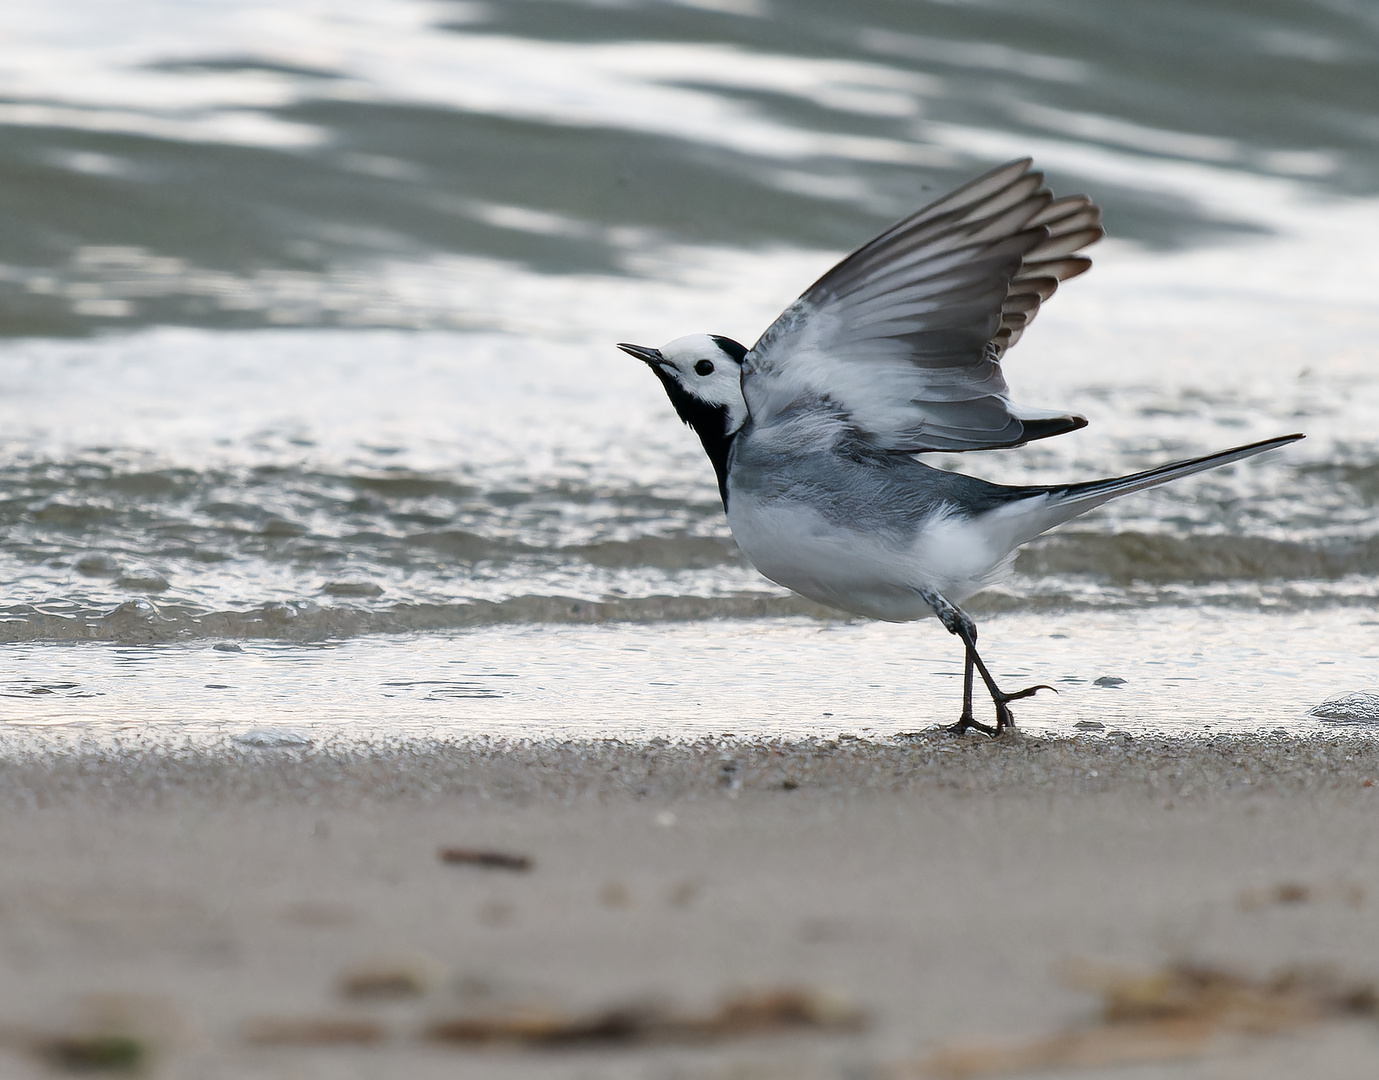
710 423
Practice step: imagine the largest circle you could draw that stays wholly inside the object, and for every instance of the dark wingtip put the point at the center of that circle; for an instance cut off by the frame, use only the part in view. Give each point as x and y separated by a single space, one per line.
1044 429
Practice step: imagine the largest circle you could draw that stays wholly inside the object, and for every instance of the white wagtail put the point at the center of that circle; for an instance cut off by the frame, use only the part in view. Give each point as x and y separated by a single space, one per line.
896 351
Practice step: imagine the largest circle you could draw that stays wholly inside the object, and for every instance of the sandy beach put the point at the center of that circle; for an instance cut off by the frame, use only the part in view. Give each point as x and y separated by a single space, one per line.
846 908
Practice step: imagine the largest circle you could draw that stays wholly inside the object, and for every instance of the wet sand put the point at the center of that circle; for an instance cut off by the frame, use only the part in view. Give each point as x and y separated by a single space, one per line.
188 901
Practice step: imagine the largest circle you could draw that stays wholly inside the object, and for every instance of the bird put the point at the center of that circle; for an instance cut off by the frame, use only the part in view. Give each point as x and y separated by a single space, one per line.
815 432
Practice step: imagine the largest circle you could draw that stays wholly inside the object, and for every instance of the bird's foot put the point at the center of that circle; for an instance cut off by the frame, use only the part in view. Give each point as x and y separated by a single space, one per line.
1004 717
969 723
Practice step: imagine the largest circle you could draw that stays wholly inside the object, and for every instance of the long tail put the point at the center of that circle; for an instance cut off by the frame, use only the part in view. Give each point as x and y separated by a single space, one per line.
1065 503
1095 492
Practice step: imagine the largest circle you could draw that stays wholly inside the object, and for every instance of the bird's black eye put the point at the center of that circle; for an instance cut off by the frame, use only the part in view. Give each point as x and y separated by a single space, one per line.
704 367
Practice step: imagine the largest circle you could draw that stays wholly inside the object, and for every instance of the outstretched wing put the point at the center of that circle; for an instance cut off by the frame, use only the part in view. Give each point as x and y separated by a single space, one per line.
903 339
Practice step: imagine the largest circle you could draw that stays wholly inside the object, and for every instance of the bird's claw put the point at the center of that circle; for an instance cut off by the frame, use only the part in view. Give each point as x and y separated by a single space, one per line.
968 723
1028 691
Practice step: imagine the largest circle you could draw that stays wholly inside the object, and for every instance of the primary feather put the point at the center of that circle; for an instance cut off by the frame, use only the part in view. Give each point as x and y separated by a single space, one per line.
903 339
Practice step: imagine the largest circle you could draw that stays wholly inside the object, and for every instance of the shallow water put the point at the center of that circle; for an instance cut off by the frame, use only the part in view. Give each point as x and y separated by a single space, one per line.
310 316
1173 670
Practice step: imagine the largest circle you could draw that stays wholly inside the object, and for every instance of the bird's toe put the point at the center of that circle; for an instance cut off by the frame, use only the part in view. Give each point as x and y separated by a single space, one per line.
968 723
1028 691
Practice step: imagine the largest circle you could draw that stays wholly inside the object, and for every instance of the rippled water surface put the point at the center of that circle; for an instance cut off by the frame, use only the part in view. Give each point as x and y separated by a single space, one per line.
309 315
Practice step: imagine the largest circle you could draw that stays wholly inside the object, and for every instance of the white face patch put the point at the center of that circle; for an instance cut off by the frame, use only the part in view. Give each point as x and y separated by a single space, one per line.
700 365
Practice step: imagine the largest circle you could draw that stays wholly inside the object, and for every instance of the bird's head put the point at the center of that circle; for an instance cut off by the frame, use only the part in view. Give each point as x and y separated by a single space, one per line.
702 374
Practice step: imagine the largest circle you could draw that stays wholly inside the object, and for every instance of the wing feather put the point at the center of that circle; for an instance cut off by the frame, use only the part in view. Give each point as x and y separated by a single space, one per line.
902 340
1056 247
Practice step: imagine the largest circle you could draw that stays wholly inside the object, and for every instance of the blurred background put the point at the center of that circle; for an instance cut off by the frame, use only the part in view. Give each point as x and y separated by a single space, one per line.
308 313
235 164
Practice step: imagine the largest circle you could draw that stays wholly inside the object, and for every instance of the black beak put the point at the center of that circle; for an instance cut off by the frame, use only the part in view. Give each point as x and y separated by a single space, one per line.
641 352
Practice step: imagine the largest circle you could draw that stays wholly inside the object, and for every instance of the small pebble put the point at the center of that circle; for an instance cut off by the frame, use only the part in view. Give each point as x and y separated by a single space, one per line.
351 587
101 1052
1360 707
270 738
392 978
100 565
493 860
276 526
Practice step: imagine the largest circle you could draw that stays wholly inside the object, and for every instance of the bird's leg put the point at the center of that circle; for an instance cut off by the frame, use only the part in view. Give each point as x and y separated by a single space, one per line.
958 622
967 687
999 697
967 721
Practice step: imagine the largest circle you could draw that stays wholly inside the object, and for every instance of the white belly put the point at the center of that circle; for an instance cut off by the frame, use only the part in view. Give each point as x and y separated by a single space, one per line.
867 573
